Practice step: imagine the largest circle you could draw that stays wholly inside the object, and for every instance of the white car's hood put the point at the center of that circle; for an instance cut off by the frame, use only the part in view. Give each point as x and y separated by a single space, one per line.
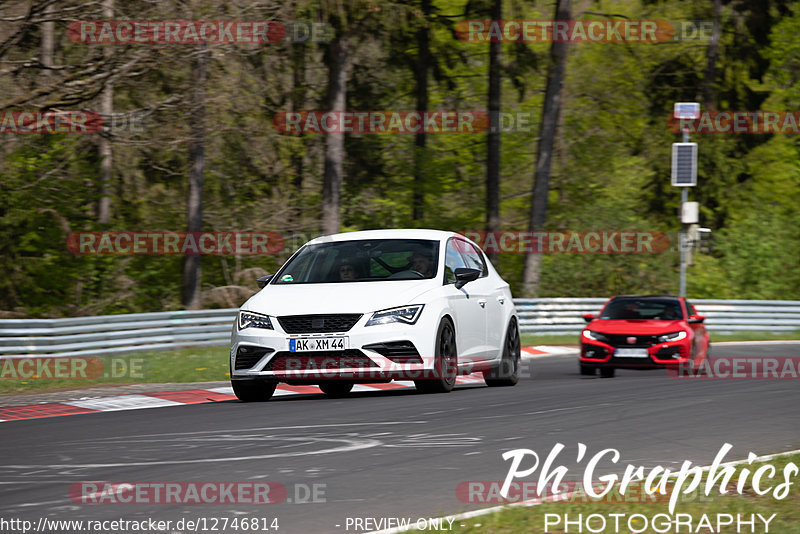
350 297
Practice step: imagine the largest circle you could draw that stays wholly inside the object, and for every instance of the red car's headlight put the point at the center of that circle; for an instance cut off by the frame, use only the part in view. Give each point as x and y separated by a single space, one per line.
595 336
672 336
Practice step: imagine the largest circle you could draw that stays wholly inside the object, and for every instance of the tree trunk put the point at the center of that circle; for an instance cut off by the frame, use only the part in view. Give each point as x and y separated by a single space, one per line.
547 134
298 101
48 41
194 204
712 55
493 137
106 110
334 142
421 74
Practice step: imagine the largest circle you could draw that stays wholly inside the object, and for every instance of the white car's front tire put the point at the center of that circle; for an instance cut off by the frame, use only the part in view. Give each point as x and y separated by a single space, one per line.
253 390
445 367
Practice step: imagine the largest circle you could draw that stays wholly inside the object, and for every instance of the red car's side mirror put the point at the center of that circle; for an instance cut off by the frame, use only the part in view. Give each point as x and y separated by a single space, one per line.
588 317
696 319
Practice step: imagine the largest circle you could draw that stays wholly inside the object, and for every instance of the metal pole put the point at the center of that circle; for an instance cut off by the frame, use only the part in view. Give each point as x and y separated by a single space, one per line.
682 241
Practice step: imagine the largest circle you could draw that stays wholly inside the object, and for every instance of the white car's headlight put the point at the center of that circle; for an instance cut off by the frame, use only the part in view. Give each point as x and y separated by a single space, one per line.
672 336
249 319
403 314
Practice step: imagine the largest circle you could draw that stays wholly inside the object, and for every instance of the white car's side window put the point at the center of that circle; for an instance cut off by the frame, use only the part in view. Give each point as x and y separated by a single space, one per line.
452 261
473 258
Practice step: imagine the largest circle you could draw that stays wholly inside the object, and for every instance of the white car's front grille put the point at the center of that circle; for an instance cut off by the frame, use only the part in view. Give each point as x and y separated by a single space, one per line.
317 324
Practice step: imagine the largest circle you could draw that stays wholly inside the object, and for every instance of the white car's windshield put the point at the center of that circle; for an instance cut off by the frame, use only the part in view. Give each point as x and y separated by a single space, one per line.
361 261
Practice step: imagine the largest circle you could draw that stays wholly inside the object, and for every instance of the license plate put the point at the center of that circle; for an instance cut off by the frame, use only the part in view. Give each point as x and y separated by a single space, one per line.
631 353
313 344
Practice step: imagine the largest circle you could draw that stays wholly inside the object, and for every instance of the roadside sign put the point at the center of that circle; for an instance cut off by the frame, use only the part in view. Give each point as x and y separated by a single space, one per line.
686 110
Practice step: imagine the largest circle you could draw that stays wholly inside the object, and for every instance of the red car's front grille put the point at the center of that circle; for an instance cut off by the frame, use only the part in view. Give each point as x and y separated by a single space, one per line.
622 340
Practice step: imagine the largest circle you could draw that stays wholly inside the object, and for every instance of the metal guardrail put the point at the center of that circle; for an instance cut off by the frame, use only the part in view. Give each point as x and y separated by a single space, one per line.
114 334
137 332
564 315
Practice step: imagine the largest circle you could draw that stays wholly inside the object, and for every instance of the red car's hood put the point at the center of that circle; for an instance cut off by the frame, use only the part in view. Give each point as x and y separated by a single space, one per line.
635 326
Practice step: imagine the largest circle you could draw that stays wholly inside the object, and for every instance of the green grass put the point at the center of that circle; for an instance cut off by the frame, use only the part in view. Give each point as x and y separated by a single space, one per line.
196 364
531 339
532 518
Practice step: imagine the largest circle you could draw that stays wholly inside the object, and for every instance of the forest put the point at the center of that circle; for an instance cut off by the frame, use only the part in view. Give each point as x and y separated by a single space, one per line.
323 116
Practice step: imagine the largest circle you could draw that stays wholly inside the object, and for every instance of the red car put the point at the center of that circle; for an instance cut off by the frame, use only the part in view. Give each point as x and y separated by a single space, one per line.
643 332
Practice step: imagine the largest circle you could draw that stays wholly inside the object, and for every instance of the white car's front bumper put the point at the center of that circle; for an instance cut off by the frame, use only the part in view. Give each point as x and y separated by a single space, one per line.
258 353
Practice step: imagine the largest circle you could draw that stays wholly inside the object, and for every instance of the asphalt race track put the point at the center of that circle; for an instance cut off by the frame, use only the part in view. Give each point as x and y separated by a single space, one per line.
391 453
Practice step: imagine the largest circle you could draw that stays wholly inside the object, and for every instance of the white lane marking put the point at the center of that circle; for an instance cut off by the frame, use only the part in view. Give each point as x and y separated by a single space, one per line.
30 504
364 387
536 502
350 445
552 349
569 408
497 416
280 392
225 390
255 429
122 402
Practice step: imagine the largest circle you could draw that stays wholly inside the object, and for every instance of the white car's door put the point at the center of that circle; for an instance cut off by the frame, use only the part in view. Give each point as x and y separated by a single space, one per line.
489 290
469 307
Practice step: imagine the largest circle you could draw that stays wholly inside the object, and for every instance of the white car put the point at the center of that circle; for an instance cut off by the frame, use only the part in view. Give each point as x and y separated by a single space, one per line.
376 306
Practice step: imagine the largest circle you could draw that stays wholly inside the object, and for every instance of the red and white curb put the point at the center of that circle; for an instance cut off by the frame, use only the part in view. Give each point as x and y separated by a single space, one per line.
543 351
198 396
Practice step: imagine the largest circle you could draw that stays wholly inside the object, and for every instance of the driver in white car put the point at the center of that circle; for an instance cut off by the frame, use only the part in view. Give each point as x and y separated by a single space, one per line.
422 262
347 271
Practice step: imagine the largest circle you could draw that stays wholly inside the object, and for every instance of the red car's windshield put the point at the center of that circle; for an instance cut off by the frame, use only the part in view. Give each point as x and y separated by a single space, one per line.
647 308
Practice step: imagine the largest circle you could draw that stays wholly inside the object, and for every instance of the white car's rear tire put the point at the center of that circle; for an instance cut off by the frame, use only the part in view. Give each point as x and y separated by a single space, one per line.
508 371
